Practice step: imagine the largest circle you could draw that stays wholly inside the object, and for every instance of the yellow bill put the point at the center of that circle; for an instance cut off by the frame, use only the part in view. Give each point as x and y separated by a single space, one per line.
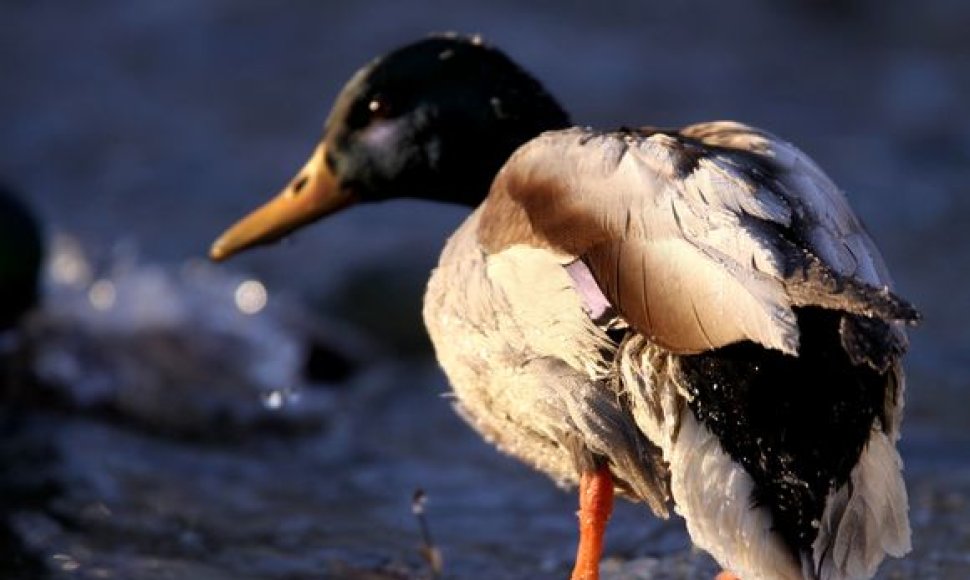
311 195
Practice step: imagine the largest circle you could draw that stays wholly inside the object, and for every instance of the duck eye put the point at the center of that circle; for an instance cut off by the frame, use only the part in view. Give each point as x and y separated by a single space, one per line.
379 108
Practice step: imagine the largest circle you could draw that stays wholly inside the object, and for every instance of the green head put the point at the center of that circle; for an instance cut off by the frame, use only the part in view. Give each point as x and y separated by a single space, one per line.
434 120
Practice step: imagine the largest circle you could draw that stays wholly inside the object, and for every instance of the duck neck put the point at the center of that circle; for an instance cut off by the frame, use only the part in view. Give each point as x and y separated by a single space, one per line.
470 161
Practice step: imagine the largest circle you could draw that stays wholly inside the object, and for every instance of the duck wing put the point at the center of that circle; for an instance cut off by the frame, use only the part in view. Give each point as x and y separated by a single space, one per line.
702 237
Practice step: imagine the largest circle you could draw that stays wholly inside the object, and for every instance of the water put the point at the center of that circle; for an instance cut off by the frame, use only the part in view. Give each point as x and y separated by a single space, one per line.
272 418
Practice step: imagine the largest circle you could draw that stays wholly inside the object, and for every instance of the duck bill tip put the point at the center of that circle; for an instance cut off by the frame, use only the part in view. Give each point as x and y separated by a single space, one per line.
219 251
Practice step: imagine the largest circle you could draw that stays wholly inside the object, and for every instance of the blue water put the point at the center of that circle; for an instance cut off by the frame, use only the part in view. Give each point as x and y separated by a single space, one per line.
141 129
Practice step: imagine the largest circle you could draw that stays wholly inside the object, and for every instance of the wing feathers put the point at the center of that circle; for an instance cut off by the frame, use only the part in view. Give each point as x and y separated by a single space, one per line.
699 305
699 238
809 282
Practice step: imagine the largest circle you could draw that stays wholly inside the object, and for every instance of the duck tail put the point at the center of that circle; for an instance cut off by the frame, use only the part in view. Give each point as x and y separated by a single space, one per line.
864 520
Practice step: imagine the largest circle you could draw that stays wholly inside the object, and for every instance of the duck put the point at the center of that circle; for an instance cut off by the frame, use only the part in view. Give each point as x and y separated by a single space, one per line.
21 257
693 319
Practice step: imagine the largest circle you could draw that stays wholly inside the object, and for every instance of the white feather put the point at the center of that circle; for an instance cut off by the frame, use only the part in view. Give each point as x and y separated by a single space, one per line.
710 490
548 315
524 360
866 520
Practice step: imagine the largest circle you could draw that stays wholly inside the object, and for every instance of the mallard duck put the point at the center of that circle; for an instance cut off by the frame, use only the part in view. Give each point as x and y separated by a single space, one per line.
21 254
694 319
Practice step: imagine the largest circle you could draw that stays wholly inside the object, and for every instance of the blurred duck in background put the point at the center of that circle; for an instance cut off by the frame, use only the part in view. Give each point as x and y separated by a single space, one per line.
692 318
126 338
21 256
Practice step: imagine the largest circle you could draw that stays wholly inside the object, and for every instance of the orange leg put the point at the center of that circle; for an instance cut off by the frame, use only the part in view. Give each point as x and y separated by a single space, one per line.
726 576
595 508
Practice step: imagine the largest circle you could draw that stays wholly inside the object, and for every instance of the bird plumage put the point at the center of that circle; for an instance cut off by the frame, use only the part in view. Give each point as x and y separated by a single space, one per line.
730 258
698 245
695 313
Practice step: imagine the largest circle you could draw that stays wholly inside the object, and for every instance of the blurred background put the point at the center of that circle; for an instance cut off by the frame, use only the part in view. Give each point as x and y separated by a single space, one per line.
272 417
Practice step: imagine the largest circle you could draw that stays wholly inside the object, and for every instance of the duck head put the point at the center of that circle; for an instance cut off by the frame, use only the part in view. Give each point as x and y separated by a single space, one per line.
433 120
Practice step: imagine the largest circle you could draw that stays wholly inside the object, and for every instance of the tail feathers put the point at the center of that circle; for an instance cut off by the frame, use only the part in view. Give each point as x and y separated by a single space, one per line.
712 493
865 520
